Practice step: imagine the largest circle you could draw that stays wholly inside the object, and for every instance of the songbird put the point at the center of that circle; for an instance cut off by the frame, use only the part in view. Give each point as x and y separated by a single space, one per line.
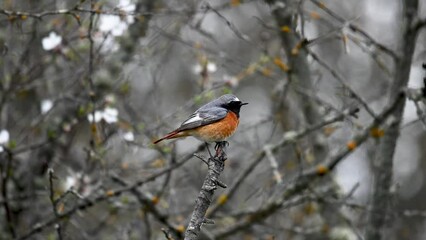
213 122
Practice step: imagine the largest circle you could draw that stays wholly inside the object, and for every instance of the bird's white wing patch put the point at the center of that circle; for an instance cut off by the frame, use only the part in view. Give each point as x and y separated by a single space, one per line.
236 99
195 118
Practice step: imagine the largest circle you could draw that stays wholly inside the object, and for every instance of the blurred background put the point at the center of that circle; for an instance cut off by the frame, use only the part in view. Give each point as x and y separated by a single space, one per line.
86 86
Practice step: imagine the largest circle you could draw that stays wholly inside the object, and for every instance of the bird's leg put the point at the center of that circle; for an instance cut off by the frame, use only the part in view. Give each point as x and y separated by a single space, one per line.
220 146
216 147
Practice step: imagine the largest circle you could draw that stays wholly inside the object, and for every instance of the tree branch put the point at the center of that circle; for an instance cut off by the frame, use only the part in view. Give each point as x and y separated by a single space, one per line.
5 172
216 165
356 29
384 158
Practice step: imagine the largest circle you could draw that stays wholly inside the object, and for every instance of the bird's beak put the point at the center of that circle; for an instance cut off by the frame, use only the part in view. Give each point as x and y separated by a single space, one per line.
243 104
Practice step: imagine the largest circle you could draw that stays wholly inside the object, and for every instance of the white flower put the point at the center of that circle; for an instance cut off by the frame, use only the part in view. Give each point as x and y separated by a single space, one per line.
51 42
96 118
110 98
70 182
79 183
231 80
129 136
4 138
116 24
46 105
198 68
113 24
127 6
342 233
109 115
211 67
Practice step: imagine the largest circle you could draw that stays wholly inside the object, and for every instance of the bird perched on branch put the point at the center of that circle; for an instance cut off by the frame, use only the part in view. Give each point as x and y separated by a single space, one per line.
213 122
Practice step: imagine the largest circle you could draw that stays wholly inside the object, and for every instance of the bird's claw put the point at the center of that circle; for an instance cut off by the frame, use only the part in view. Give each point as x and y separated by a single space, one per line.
220 147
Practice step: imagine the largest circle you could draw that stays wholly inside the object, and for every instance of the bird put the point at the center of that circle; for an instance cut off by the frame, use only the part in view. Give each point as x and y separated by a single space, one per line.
213 122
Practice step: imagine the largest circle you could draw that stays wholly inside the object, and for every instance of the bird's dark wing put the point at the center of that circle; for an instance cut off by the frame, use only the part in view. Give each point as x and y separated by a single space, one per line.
203 117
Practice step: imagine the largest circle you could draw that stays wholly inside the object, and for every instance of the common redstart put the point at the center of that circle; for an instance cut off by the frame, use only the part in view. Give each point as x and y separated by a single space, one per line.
213 122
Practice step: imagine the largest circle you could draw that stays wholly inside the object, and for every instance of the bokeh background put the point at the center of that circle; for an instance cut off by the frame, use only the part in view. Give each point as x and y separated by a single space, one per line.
86 86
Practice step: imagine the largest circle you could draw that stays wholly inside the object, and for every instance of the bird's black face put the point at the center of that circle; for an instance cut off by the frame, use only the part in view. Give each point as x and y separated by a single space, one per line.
234 106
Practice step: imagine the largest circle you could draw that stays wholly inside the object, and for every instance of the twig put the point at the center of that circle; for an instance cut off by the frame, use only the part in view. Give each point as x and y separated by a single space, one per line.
421 114
74 11
273 162
5 175
53 202
91 87
211 182
339 78
421 23
355 28
230 25
201 158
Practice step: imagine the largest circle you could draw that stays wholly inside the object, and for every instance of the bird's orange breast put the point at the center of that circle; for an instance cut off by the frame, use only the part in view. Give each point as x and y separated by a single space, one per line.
218 131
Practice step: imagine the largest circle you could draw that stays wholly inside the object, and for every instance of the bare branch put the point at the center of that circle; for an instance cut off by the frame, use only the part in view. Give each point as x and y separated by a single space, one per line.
211 182
53 202
339 78
382 195
356 29
5 172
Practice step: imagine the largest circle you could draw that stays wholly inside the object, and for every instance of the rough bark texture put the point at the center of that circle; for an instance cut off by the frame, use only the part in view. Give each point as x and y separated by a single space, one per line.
379 214
216 165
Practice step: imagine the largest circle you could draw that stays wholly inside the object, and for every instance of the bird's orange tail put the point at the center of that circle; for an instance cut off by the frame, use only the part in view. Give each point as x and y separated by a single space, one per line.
173 134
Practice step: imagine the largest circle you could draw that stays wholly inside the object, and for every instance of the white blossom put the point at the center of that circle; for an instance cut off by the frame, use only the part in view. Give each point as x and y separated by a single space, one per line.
51 42
70 182
342 233
96 118
126 6
129 136
110 98
79 183
46 105
231 80
113 24
116 24
198 68
4 138
211 67
109 115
